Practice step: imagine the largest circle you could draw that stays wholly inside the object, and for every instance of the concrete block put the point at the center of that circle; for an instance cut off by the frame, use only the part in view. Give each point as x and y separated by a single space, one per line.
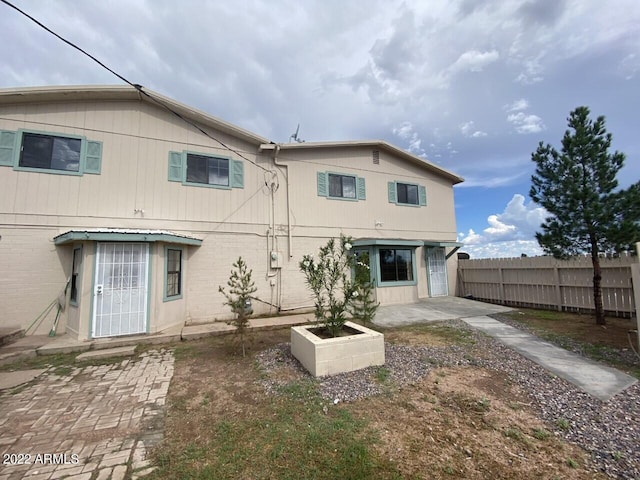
107 353
337 355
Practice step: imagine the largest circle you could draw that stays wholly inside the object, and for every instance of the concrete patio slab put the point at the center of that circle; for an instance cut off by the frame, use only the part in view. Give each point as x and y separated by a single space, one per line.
433 310
107 353
13 379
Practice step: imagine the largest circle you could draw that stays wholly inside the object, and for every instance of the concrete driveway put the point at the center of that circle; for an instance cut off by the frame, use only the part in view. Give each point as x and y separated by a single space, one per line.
434 310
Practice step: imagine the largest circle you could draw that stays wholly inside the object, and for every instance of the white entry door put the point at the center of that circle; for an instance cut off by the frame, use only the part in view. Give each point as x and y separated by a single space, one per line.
120 291
437 267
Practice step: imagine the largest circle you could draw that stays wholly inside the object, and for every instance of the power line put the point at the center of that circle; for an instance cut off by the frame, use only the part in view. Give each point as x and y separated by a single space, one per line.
134 85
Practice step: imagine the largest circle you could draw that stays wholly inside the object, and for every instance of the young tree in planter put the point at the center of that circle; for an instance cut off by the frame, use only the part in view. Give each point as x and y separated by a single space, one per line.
364 305
578 187
240 289
327 278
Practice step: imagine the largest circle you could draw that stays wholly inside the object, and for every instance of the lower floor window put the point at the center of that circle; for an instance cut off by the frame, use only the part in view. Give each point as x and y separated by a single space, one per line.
174 272
75 274
396 264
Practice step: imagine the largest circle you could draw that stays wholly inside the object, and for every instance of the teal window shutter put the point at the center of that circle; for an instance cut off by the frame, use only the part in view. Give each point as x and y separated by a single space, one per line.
7 147
391 186
422 194
237 180
175 166
361 188
93 158
323 184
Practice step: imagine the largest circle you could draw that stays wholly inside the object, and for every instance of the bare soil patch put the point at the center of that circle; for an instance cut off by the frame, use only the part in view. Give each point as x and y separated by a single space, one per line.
580 327
457 422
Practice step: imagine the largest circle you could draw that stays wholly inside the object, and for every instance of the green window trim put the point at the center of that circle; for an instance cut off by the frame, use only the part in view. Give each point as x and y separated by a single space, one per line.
324 186
393 194
173 273
12 146
76 276
177 170
394 283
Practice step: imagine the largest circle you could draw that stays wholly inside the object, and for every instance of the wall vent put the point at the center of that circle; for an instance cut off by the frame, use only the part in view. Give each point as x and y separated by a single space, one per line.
375 154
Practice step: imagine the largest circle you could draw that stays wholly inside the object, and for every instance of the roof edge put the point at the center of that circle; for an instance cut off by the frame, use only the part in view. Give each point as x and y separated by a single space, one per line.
124 235
61 93
381 144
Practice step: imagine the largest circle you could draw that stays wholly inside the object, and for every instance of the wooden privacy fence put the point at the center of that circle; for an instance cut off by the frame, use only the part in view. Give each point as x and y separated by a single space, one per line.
544 282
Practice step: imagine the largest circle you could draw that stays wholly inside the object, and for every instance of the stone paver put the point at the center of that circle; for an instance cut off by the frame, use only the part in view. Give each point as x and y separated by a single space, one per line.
94 422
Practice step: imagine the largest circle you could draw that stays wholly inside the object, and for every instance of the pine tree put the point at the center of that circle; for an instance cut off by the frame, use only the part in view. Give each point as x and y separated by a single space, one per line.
240 289
578 187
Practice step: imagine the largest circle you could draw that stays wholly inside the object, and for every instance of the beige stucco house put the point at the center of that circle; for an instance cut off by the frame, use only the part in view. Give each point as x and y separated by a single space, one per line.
139 205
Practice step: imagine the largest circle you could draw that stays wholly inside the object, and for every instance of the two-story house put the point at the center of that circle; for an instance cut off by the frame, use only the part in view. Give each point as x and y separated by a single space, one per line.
129 208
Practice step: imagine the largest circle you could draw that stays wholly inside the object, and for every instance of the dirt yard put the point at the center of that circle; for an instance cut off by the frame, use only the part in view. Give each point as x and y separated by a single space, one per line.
457 422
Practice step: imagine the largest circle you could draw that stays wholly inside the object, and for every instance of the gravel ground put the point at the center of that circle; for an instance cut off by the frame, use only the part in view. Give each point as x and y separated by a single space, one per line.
609 430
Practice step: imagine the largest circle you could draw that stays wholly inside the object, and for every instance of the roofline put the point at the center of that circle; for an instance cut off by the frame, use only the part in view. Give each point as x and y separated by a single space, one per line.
56 93
380 144
61 93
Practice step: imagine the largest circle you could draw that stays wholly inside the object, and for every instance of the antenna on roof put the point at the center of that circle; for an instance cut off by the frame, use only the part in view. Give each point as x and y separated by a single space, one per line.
295 137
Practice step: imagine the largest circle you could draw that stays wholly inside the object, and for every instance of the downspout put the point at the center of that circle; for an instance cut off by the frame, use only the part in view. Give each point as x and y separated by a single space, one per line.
286 167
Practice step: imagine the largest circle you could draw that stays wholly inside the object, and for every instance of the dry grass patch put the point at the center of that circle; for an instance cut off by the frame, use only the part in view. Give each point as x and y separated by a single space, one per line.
462 422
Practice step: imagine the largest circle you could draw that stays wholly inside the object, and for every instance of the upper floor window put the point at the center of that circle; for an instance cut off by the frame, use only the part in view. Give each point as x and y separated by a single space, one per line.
402 193
205 170
341 186
209 170
49 153
407 193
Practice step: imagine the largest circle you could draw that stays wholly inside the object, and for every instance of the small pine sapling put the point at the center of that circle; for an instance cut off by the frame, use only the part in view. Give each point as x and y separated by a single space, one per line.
364 306
241 287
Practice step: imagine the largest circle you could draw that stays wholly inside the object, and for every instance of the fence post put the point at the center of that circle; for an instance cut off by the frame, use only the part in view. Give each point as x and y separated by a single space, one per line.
556 279
635 283
501 279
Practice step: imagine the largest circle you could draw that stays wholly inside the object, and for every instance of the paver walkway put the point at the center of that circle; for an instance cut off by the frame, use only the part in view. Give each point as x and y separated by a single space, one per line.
95 421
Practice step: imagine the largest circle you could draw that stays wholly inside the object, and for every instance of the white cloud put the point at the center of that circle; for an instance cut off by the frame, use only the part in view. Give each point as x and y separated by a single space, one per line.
525 124
629 66
497 229
509 233
508 249
474 61
468 130
517 106
406 132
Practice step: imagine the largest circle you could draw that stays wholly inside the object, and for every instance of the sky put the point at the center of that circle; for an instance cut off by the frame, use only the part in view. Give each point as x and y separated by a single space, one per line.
470 85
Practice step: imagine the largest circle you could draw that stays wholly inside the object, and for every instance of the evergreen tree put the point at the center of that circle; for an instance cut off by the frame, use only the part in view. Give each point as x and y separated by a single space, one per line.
578 187
241 287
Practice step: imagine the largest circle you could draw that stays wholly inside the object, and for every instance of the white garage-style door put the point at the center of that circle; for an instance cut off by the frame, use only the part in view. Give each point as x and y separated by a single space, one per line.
437 268
120 289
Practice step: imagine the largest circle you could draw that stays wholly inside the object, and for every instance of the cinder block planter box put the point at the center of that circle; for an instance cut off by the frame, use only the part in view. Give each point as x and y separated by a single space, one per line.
328 356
